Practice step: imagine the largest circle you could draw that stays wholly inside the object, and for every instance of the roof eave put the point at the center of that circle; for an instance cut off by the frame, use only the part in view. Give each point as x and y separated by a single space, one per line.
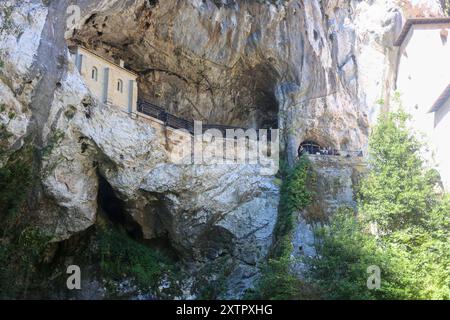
443 98
109 61
417 21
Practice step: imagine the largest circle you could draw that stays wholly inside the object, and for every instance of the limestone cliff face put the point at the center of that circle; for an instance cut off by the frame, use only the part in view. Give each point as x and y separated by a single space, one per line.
314 68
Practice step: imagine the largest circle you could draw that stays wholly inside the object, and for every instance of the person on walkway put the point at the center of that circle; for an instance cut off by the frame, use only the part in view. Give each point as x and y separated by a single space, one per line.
301 151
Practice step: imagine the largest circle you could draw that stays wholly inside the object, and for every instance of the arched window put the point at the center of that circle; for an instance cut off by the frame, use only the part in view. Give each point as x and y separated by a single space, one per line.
120 85
94 74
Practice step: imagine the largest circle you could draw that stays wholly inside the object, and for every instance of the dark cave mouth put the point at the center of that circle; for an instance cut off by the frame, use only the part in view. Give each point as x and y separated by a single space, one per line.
256 87
113 209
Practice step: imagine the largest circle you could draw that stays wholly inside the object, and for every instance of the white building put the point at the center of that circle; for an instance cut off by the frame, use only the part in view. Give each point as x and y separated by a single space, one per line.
109 82
423 80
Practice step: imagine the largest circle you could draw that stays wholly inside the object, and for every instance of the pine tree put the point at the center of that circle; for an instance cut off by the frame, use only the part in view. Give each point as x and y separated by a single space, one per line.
398 191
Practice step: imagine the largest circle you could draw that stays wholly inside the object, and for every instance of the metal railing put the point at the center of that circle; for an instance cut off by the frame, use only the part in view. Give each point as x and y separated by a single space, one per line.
170 120
151 110
334 152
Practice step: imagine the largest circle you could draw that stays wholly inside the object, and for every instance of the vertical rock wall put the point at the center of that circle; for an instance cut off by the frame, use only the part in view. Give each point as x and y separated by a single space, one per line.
314 68
333 187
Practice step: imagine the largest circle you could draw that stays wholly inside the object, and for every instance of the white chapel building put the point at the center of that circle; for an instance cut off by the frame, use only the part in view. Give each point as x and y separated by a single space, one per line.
423 81
108 81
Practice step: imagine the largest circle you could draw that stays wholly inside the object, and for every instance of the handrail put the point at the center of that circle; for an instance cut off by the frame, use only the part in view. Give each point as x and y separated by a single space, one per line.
170 120
335 152
173 121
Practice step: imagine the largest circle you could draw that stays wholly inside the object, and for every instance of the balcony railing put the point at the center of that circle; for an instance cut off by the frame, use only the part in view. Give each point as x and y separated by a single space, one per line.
170 120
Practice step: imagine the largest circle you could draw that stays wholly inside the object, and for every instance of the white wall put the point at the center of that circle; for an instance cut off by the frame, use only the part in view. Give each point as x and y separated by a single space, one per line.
115 97
423 74
441 141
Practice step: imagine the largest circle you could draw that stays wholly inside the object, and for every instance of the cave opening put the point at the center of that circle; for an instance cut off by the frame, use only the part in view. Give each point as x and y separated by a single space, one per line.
310 147
256 91
114 209
267 117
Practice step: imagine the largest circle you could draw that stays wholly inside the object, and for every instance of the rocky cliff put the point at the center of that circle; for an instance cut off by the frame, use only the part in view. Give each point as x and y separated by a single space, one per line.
315 69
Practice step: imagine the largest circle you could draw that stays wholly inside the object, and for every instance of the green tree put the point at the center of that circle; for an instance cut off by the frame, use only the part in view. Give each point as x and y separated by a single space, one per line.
446 6
344 252
411 241
398 191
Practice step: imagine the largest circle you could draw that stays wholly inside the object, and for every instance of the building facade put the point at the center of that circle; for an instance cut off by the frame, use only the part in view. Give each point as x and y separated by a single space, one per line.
109 82
423 79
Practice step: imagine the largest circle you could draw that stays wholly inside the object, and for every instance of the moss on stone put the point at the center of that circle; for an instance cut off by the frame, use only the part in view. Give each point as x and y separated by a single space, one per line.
277 282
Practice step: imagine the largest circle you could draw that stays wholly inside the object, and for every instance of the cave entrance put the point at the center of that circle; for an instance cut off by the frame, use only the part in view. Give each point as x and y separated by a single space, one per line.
114 209
256 93
309 147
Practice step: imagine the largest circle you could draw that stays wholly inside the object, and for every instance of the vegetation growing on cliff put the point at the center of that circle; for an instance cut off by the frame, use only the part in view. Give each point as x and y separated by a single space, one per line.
446 6
295 196
21 246
277 281
403 226
21 256
24 249
123 258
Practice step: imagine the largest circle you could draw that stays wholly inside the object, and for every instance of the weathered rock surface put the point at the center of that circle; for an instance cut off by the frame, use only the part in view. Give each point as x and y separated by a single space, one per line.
214 211
20 34
206 211
333 188
314 68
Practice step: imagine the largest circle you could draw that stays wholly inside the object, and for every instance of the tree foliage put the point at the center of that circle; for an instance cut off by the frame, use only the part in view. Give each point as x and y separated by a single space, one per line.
402 226
398 191
446 6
